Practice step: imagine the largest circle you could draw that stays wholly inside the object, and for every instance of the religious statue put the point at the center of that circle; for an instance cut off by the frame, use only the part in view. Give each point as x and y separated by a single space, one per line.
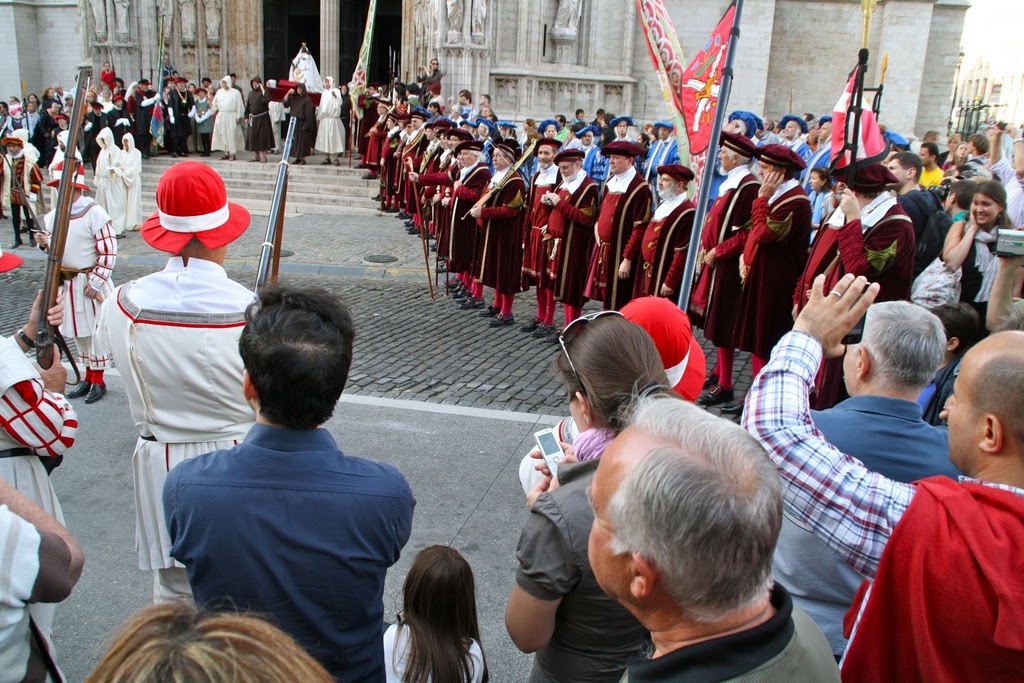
163 8
99 15
304 70
567 20
479 18
213 20
455 16
188 20
121 19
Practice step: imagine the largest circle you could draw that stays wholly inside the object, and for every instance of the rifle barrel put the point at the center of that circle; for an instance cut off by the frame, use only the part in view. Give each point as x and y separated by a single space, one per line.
263 271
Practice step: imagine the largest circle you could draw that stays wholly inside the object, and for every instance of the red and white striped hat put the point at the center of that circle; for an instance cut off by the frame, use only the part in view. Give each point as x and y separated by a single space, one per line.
670 329
79 180
192 202
9 261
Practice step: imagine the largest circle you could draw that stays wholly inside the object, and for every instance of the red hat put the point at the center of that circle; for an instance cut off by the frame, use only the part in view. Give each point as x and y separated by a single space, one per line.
179 79
510 148
458 134
471 145
60 117
873 178
9 261
670 329
623 148
677 171
79 180
740 144
781 156
192 202
11 140
548 142
570 155
118 98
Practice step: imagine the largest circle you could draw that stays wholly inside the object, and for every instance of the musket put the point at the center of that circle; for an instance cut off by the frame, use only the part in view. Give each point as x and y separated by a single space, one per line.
511 171
270 252
47 335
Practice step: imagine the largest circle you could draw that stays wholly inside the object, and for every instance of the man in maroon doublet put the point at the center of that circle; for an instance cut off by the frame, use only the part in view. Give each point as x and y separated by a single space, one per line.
662 247
474 177
869 234
499 263
625 209
571 233
715 301
773 257
536 242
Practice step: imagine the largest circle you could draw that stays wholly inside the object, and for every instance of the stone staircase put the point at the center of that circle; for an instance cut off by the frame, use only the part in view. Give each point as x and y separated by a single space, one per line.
312 189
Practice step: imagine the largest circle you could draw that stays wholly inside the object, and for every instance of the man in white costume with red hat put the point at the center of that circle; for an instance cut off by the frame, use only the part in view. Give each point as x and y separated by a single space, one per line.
36 423
89 255
174 335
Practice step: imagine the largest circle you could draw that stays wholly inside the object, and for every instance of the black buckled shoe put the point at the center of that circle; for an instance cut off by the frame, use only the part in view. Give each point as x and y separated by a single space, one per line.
489 312
531 326
470 303
716 396
543 330
711 381
97 392
81 390
501 321
403 216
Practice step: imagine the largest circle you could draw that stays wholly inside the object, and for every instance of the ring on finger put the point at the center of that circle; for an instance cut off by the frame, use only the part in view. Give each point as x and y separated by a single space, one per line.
836 292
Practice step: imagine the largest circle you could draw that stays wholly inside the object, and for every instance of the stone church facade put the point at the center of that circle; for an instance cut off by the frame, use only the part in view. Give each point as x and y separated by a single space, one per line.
534 57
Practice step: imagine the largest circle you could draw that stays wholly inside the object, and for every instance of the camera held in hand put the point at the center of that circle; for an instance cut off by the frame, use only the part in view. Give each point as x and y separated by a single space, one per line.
1009 242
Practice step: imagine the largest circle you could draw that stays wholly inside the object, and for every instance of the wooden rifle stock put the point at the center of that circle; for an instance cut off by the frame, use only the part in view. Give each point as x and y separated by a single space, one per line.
47 335
512 171
270 253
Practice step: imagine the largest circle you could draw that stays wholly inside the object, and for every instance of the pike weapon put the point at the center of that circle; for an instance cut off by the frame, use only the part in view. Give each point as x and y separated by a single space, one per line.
876 103
47 335
420 225
270 252
511 171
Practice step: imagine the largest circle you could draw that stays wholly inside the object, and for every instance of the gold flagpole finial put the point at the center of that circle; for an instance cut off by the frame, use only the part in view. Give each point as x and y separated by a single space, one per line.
867 8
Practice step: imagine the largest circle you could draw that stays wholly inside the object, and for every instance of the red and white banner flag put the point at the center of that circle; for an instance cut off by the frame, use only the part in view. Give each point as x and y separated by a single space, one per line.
701 83
870 145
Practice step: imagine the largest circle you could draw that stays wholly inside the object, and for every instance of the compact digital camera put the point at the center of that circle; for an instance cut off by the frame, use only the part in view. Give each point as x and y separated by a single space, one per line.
1009 243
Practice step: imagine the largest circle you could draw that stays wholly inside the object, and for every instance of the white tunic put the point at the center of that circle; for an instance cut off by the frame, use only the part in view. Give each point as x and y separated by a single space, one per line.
90 244
174 335
228 106
330 136
37 427
129 170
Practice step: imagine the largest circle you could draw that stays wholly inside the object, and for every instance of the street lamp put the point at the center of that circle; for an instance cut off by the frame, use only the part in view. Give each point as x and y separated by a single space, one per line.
956 88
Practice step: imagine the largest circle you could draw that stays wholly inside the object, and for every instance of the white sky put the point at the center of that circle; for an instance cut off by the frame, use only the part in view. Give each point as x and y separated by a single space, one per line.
992 33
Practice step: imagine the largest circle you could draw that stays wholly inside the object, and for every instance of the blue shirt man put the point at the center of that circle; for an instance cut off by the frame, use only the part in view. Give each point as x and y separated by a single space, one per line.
662 151
284 524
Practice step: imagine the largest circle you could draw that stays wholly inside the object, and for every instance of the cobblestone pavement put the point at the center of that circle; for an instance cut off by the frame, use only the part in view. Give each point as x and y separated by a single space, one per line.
407 347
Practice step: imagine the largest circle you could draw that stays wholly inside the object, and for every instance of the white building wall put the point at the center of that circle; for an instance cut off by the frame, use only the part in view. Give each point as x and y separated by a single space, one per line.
44 45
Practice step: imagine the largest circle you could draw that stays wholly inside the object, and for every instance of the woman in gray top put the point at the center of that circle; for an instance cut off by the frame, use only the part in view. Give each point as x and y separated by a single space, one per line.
556 609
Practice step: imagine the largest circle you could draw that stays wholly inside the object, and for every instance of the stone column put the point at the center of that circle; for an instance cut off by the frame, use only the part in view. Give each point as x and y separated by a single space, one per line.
330 38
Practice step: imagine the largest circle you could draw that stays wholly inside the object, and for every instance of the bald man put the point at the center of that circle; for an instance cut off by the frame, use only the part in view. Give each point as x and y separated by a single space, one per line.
927 548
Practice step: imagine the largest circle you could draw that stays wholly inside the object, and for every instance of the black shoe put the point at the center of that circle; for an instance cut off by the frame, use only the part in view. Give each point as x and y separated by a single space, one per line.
411 224
711 381
81 390
97 392
390 210
732 409
471 303
542 331
376 197
403 216
553 335
716 396
412 231
441 268
16 245
489 312
501 321
531 326
369 176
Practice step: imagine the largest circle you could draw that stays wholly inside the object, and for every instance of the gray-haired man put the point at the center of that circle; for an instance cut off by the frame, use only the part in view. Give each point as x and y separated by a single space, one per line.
687 510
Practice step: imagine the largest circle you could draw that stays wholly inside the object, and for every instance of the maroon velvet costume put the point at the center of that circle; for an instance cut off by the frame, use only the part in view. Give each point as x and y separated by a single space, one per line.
776 252
501 236
621 215
715 301
463 232
654 252
536 242
571 229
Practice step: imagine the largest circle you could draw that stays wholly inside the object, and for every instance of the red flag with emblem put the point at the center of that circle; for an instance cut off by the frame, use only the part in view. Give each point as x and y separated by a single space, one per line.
701 82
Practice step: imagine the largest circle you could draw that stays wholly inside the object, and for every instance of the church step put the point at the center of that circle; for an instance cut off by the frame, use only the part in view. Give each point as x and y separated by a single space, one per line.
267 185
262 206
243 168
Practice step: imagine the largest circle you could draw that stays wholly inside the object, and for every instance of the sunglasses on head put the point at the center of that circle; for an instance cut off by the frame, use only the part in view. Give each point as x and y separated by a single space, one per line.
573 329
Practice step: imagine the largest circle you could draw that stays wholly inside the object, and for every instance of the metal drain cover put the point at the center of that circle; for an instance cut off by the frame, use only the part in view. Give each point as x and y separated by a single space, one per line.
380 258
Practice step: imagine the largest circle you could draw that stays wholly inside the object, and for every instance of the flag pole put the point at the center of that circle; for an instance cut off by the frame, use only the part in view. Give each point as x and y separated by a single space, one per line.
854 112
709 165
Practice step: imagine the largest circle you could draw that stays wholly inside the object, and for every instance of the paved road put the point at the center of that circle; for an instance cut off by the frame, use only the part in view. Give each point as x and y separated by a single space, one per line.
451 402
